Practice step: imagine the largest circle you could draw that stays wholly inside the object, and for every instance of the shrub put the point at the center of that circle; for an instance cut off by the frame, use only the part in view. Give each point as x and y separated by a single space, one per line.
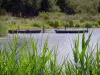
44 15
81 21
2 12
95 24
3 30
65 24
36 24
99 22
54 23
57 23
71 24
55 9
77 25
88 25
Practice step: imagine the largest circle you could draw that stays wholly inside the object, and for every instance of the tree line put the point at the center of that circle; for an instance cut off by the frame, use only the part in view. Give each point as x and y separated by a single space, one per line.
33 7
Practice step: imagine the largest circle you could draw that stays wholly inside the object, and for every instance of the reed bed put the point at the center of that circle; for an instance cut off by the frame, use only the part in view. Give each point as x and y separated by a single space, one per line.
24 58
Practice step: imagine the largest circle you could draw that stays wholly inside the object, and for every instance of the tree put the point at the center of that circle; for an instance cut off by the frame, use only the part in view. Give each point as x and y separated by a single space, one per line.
84 6
0 3
99 7
36 4
64 6
49 6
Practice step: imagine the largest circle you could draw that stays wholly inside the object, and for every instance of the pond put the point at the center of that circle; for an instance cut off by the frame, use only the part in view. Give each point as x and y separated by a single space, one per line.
63 41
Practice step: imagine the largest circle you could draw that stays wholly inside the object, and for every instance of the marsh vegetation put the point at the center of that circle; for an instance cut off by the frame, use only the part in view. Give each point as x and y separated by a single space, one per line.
23 57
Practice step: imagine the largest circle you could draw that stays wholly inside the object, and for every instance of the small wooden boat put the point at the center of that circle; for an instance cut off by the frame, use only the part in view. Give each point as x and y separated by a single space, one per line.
24 31
72 31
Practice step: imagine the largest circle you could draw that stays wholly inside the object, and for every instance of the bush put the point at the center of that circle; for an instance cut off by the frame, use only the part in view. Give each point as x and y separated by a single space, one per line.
55 9
65 24
54 23
44 15
88 25
95 24
3 30
57 23
99 22
77 25
2 12
81 21
71 24
36 24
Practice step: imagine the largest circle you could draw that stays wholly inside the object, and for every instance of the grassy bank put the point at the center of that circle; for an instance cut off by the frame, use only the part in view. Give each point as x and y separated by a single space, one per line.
24 58
3 30
51 20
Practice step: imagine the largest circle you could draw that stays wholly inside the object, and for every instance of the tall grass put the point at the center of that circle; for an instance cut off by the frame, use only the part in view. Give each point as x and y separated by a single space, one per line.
3 30
85 62
24 58
55 20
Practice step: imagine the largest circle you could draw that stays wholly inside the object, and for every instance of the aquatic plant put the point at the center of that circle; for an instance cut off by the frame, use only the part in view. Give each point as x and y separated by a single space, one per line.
23 57
86 61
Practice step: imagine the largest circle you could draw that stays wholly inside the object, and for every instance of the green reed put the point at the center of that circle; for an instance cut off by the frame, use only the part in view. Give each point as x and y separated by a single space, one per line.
24 58
86 62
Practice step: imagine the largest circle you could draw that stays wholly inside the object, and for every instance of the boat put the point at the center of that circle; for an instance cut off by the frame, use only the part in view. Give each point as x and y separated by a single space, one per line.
24 31
72 31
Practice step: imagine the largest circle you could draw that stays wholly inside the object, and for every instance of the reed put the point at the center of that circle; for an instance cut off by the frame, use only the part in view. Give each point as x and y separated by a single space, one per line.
85 62
22 57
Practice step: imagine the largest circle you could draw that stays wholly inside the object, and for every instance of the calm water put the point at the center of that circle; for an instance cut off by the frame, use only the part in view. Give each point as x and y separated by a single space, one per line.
63 41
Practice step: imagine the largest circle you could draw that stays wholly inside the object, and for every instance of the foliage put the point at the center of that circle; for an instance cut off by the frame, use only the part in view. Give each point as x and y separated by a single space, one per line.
99 22
49 6
54 23
65 24
2 12
23 57
48 19
88 25
84 6
64 6
29 8
81 21
3 30
71 24
44 15
86 62
77 25
37 24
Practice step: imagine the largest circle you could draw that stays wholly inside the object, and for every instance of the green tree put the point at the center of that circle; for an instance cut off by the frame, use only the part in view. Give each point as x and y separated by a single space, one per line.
0 4
36 4
99 7
64 6
84 6
49 6
52 4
